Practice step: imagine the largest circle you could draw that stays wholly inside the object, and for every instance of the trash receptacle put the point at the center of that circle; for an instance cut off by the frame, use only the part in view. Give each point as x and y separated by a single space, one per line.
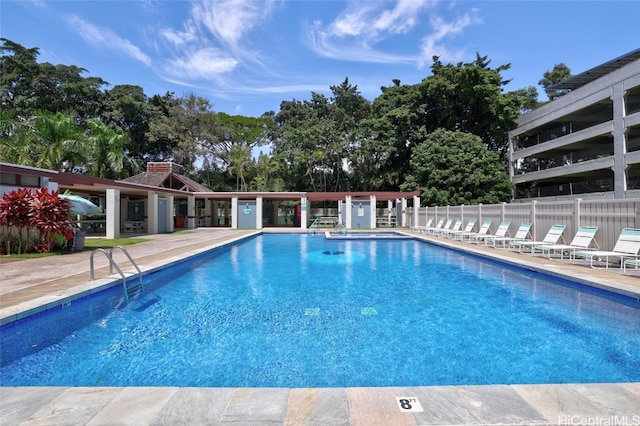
78 243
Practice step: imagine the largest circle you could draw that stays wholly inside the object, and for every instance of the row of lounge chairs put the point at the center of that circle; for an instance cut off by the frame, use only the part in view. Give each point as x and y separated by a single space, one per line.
583 247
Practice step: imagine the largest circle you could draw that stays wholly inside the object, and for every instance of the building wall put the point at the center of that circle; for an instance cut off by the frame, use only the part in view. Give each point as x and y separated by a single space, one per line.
586 143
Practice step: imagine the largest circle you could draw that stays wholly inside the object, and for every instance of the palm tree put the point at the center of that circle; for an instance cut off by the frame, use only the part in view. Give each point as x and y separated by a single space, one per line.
56 141
108 159
239 159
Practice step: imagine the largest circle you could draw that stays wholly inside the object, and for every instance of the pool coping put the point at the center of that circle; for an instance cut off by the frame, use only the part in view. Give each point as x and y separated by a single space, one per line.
557 404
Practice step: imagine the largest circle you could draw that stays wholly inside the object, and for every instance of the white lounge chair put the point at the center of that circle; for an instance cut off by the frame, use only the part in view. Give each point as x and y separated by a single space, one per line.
554 235
630 266
447 225
523 233
502 231
422 228
484 230
467 229
457 226
427 230
583 240
628 245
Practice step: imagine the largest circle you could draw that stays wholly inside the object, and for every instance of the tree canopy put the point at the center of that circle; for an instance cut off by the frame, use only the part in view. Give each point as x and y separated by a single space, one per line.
451 168
560 72
55 116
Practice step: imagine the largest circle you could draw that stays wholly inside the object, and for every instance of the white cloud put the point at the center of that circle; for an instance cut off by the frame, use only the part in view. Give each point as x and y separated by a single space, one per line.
325 44
359 31
353 35
432 44
107 39
180 38
202 64
403 17
229 21
216 39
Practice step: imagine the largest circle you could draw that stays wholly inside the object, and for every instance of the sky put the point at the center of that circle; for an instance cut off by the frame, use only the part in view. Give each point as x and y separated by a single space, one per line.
248 56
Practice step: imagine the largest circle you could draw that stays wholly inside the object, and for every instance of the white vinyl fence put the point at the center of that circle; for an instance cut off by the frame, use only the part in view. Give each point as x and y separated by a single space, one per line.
610 216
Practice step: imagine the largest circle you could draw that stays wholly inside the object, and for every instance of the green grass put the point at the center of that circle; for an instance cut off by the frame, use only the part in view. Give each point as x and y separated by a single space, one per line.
93 243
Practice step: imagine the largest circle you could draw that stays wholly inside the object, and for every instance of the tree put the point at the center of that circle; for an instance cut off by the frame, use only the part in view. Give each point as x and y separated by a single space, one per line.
190 128
127 109
314 137
27 86
108 159
527 98
451 168
55 142
395 114
560 72
467 97
239 159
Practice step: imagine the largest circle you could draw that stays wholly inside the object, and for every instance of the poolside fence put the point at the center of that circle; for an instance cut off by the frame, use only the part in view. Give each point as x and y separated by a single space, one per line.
610 216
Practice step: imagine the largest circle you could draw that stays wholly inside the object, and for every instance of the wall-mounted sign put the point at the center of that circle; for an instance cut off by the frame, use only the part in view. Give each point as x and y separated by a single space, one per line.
247 211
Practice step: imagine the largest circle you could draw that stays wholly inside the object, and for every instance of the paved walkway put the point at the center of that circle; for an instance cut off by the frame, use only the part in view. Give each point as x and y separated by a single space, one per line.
31 285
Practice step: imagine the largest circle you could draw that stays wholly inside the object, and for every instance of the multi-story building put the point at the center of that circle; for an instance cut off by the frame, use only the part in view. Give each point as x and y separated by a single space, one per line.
586 143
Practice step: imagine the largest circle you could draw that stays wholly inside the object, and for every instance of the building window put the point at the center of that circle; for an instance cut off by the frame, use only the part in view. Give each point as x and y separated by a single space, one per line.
13 179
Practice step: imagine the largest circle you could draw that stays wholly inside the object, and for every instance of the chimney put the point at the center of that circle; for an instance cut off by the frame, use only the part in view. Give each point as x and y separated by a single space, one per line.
164 167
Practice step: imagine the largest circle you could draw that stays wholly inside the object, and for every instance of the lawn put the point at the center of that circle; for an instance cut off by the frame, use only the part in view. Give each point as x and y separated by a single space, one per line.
94 243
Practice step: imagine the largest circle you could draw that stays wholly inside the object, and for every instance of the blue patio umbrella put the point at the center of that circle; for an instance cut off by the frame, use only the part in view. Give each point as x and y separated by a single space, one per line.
80 205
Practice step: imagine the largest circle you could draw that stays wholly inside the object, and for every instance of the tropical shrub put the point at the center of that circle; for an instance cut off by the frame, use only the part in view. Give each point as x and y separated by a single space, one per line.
27 215
50 216
14 217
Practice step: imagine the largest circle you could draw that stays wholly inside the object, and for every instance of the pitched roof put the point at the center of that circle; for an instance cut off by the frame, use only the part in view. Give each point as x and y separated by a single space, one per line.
167 180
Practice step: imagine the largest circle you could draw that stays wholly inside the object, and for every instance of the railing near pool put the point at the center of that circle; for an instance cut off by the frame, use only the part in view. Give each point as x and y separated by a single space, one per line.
129 290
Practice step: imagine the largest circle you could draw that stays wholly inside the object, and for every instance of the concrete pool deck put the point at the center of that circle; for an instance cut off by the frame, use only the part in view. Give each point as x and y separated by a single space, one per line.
28 285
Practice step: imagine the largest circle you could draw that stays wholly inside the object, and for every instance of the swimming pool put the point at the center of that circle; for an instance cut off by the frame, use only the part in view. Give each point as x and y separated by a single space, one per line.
302 311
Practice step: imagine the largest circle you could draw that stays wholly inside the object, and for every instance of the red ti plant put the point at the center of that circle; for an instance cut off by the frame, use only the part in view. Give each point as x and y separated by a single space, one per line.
15 209
49 214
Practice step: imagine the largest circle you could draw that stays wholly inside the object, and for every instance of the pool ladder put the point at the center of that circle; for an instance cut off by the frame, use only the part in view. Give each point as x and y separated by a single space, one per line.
326 220
129 289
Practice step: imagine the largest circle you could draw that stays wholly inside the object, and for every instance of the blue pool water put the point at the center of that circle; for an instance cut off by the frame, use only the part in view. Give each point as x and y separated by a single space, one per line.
301 311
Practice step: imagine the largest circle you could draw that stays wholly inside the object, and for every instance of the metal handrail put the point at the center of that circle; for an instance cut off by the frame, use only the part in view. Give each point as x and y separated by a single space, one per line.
316 221
112 264
135 265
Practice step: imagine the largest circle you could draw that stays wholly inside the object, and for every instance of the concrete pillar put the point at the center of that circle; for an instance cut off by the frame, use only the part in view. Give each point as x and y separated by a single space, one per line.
304 211
373 212
191 212
259 213
152 213
234 213
347 212
389 210
170 202
532 220
113 213
340 213
576 216
404 210
619 141
416 208
207 212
